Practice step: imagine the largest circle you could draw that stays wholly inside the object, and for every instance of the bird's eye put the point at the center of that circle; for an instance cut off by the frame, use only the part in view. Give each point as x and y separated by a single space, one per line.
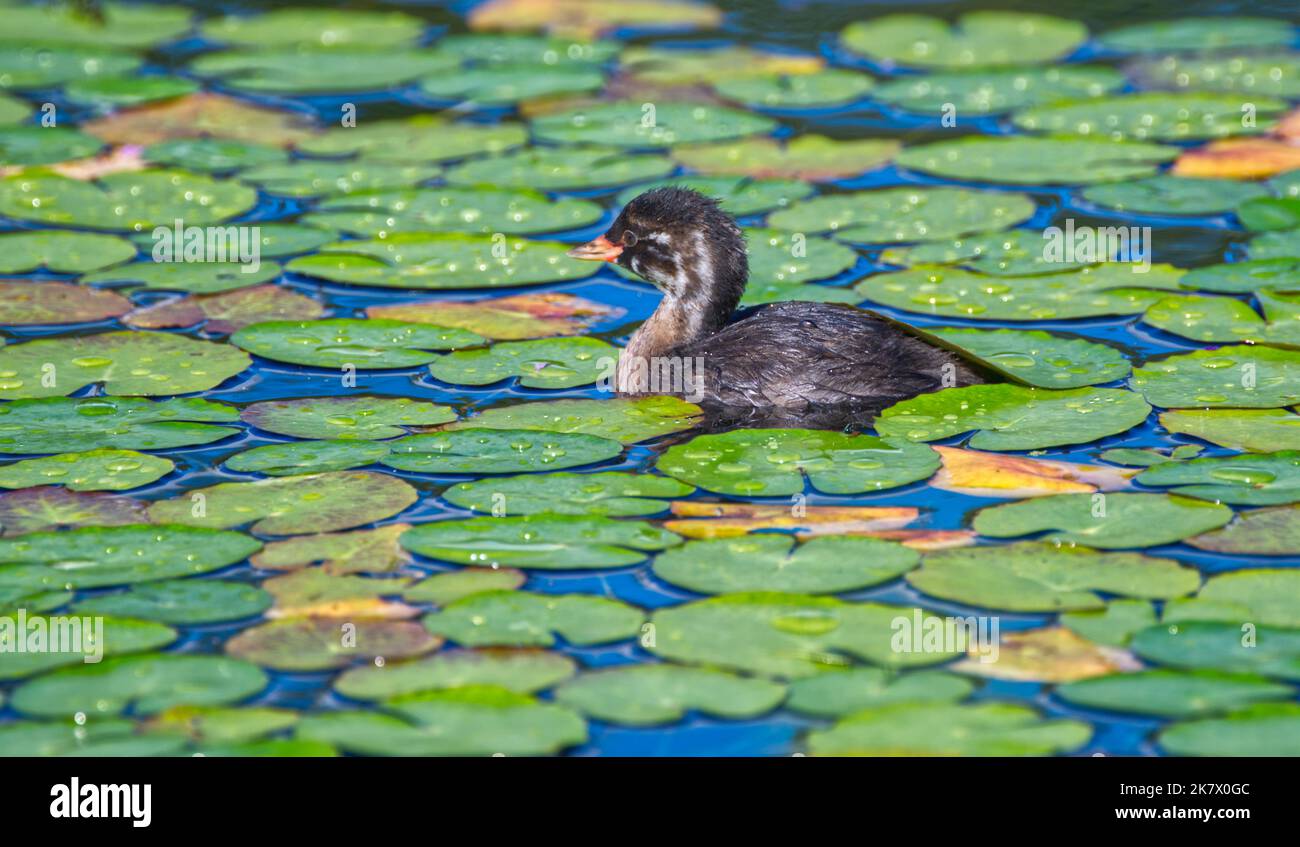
629 238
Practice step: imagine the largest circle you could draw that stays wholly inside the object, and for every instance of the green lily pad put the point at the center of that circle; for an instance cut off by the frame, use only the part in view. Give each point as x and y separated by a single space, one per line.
1246 277
1021 160
190 277
444 260
125 91
1106 289
629 124
1012 417
1146 457
141 363
685 65
318 644
220 724
363 550
651 695
1222 647
213 155
345 418
825 88
941 729
1255 74
315 178
115 25
479 210
1276 245
185 602
423 139
994 91
65 738
546 541
624 419
781 462
1016 252
300 457
38 145
498 49
787 635
476 720
1262 214
57 425
521 671
339 342
1268 479
478 451
778 258
823 565
1256 430
611 493
118 637
1240 376
1036 577
1264 729
776 292
13 110
291 239
1173 195
1120 520
321 71
291 505
94 557
737 196
37 67
812 157
136 201
524 619
502 85
1112 626
844 692
143 684
1198 34
1040 359
24 303
978 39
556 168
1259 532
538 363
893 215
443 589
62 252
48 507
1257 596
1153 116
94 470
315 28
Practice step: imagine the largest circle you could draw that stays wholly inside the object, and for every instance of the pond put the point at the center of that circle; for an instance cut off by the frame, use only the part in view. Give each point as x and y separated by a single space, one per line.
309 445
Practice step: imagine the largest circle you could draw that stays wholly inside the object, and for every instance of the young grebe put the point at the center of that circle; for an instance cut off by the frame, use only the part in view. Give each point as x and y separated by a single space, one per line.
789 360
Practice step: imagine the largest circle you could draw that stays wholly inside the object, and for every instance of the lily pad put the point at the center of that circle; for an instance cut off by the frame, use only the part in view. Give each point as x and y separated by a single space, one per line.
556 168
810 157
1020 160
977 39
496 49
1246 277
423 139
71 642
339 342
95 470
824 88
1153 116
143 684
35 67
1016 252
994 91
227 312
524 619
1222 647
937 729
24 303
48 507
893 215
62 252
318 644
624 419
1239 376
123 91
1257 596
611 493
1112 626
1259 532
1275 245
291 505
321 71
314 178
629 124
511 318
57 425
201 115
1255 74
443 589
136 201
1116 521
578 18
1268 479
213 155
546 541
781 462
300 457
541 363
1257 430
824 565
1264 729
789 635
680 65
364 550
191 277
65 738
140 363
779 259
315 28
478 451
1198 34
1036 577
1012 417
651 695
1107 289
845 692
218 724
113 25
521 671
737 196
1040 359
443 260
345 418
503 85
182 602
1173 195
478 210
38 145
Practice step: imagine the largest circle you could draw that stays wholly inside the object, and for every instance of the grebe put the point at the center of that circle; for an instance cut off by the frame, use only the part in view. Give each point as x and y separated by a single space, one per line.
788 361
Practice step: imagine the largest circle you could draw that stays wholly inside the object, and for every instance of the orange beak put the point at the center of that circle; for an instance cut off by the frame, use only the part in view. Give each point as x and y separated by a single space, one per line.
597 250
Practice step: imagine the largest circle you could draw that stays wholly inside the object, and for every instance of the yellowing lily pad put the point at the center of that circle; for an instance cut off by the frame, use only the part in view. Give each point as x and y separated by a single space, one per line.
512 318
363 550
1258 532
227 312
48 507
317 644
43 303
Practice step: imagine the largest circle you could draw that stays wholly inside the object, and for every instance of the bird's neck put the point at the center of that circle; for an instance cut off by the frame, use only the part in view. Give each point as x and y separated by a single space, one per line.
674 324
